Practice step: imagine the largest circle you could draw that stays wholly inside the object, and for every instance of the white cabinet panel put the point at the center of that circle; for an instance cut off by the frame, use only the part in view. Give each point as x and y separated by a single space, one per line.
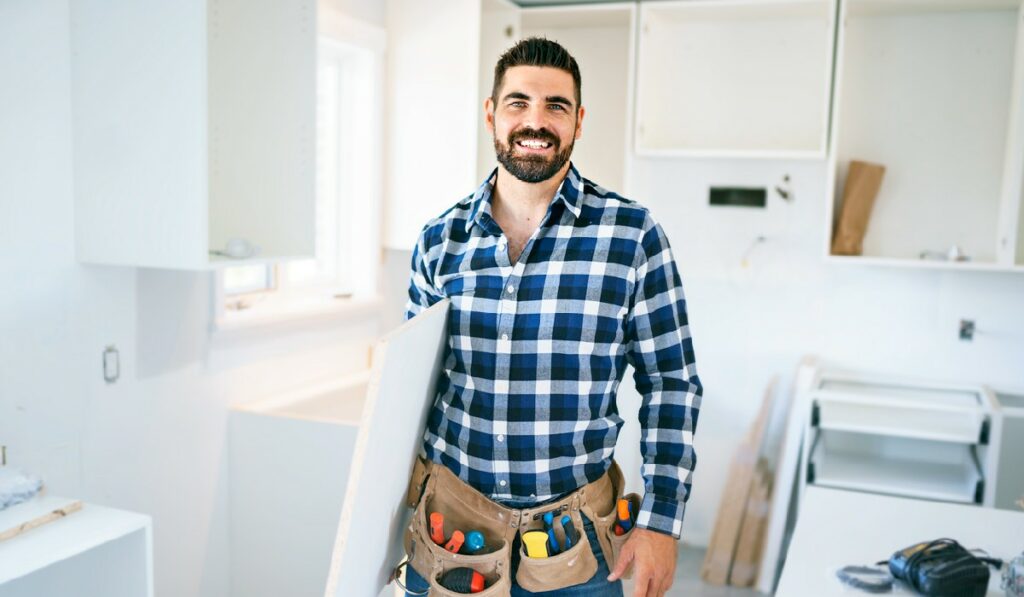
747 78
193 124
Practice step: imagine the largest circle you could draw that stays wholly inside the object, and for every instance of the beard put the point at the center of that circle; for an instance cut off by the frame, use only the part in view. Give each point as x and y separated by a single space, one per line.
532 168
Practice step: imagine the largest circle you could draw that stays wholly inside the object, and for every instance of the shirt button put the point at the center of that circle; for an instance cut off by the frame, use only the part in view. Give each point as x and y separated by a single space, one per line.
504 336
501 438
502 482
511 289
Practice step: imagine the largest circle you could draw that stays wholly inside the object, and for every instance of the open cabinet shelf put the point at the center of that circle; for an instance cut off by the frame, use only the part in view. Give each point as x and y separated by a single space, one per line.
853 461
931 90
734 78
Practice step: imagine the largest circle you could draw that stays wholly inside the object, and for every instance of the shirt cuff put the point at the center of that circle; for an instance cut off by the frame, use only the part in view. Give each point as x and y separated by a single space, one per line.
662 515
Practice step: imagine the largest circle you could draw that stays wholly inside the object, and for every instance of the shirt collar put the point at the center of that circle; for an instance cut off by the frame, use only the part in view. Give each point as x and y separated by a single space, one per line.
570 192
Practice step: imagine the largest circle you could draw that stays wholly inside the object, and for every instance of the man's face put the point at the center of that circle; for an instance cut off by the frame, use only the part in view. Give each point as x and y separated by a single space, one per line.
535 121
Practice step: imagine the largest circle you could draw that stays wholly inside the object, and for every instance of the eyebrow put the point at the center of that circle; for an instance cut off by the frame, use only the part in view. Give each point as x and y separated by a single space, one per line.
551 99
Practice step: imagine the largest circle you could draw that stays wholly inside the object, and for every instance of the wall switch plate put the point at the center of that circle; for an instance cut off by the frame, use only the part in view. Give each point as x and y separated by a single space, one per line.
967 329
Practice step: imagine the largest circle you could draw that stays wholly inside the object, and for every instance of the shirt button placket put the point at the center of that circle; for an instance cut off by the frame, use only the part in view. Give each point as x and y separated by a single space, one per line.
503 382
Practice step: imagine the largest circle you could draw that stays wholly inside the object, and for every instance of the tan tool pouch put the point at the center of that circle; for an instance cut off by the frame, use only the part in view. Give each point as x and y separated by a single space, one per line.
573 566
466 509
602 512
432 561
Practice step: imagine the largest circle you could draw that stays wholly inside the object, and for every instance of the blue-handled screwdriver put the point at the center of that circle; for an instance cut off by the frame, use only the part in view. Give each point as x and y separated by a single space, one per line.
570 532
549 526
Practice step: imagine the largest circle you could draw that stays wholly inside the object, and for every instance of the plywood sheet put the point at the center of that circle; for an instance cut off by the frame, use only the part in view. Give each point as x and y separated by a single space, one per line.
406 364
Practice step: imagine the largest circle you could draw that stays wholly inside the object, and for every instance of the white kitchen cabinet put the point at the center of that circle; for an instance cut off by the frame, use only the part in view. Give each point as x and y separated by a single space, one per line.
193 124
91 552
902 437
1010 478
734 78
289 461
932 90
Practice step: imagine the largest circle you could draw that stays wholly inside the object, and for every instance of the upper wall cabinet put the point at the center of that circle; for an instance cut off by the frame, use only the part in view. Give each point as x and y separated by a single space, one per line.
932 92
745 78
193 126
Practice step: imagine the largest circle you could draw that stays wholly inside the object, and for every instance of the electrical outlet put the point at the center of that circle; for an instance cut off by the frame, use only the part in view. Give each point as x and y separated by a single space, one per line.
967 330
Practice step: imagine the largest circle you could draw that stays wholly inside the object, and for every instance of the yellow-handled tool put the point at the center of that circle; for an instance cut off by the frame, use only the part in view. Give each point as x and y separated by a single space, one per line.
536 543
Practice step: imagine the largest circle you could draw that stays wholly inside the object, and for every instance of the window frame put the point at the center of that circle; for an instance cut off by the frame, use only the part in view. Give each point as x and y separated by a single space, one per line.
353 288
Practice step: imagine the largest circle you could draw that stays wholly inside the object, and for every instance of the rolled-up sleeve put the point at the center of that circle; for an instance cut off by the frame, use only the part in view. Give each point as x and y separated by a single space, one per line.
660 349
422 293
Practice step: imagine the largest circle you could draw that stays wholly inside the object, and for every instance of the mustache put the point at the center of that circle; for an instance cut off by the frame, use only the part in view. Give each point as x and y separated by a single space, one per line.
533 135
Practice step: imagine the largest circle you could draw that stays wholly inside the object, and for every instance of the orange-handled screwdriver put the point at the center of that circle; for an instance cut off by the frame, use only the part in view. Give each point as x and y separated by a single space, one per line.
455 543
437 527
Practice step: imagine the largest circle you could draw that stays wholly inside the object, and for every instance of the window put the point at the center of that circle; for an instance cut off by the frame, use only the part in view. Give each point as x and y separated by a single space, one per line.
348 199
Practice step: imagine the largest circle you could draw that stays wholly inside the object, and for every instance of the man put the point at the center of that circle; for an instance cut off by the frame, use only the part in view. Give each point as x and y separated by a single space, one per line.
555 285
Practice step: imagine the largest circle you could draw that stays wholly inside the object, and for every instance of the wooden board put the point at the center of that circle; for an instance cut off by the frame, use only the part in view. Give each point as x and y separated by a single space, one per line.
724 537
746 562
36 512
406 364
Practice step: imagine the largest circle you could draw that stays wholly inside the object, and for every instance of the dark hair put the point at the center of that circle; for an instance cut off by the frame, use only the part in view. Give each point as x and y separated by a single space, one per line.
536 51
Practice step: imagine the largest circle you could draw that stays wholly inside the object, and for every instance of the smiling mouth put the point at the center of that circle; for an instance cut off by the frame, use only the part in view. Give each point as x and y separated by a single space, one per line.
533 145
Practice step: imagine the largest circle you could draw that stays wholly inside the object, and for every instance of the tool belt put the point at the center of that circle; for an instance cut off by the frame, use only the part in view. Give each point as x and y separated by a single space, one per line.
434 488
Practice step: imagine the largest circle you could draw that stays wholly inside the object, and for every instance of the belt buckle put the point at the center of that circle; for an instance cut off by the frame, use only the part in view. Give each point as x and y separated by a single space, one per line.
558 510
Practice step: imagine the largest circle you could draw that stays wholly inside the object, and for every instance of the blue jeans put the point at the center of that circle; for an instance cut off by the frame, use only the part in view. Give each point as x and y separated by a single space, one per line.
598 586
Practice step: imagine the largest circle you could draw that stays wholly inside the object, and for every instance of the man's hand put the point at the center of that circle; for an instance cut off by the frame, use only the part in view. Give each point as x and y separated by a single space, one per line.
653 555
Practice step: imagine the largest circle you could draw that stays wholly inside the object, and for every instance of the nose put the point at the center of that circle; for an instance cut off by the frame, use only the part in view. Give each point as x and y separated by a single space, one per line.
536 117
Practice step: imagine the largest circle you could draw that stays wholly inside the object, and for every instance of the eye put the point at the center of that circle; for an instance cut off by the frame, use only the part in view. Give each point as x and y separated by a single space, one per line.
518 104
557 107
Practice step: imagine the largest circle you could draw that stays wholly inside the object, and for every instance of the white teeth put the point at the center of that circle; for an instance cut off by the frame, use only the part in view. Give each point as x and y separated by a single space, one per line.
535 144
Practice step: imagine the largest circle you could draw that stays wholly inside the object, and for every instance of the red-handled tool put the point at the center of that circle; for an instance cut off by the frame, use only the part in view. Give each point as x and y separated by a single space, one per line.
463 580
625 511
455 543
437 527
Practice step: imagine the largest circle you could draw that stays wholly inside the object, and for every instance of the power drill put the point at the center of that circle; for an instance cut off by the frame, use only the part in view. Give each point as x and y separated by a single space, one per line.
942 568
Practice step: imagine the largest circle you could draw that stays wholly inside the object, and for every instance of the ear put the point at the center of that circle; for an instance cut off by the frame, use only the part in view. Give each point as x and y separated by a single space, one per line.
579 122
489 114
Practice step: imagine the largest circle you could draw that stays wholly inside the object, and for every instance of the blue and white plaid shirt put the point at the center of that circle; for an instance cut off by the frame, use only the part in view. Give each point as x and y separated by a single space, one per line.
525 406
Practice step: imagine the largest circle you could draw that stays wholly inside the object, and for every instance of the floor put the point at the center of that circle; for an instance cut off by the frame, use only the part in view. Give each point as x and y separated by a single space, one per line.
688 581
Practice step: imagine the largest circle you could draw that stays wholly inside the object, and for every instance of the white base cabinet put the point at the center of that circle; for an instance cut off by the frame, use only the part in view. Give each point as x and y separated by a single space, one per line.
902 437
94 552
289 464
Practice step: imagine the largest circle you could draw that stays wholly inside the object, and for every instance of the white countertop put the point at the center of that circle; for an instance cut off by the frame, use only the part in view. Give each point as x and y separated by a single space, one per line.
837 528
61 539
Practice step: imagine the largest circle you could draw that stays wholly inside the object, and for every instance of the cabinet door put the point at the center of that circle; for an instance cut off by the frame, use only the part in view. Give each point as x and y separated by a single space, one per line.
139 131
433 106
262 125
193 123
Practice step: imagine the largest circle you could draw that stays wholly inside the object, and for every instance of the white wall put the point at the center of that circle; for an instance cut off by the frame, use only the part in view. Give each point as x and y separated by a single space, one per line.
751 323
153 442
